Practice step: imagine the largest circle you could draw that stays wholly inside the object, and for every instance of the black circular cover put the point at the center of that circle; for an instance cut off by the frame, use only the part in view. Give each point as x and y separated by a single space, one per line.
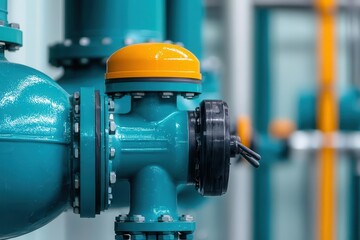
214 149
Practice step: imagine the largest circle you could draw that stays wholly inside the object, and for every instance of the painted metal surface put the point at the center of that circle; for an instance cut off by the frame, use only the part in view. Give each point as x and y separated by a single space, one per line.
34 141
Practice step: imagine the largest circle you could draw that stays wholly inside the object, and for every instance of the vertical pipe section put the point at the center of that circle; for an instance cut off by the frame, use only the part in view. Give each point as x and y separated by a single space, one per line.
184 24
112 18
262 103
327 119
3 10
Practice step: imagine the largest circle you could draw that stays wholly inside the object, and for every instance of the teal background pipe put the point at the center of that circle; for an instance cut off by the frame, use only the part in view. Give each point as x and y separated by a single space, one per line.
262 116
349 122
184 24
112 18
34 149
90 75
95 29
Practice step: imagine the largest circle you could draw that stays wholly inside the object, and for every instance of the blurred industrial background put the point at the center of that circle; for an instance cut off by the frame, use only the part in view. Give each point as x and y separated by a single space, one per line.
268 56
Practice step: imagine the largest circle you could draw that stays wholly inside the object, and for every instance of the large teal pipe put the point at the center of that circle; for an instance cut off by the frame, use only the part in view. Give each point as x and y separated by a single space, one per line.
95 29
112 18
34 149
184 24
262 117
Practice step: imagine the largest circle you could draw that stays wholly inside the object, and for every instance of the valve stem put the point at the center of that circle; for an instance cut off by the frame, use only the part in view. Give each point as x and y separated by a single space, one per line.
237 148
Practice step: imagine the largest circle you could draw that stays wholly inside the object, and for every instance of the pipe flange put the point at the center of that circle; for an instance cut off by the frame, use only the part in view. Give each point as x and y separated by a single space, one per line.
89 158
10 35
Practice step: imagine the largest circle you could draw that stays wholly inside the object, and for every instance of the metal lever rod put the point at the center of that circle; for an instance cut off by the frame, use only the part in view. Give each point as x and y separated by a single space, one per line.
239 149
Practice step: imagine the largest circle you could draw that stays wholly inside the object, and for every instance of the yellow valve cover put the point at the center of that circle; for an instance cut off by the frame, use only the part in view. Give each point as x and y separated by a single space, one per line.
153 60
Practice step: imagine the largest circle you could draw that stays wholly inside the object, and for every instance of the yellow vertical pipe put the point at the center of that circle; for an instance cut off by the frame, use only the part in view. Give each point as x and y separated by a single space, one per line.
327 119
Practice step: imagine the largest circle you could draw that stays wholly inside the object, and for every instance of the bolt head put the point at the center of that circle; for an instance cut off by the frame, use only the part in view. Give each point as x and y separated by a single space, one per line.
187 218
138 95
76 202
77 108
76 127
121 218
67 42
112 127
138 218
84 41
111 105
112 177
13 47
106 41
76 152
167 94
77 182
189 95
112 152
14 25
166 218
76 96
76 210
129 41
84 61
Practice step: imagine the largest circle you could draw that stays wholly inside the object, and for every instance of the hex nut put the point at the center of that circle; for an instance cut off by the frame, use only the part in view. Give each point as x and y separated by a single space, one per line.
138 218
112 152
112 177
165 218
186 218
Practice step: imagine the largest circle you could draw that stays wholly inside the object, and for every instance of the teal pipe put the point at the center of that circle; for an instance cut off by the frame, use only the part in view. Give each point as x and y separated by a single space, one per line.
91 75
3 10
157 186
181 14
349 121
262 116
95 29
34 149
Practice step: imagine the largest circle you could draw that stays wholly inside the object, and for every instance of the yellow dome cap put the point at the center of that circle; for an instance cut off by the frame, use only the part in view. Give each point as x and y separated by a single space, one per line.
153 60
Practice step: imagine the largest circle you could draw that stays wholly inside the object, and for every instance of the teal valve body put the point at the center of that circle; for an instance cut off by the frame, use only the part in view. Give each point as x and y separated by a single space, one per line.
151 139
